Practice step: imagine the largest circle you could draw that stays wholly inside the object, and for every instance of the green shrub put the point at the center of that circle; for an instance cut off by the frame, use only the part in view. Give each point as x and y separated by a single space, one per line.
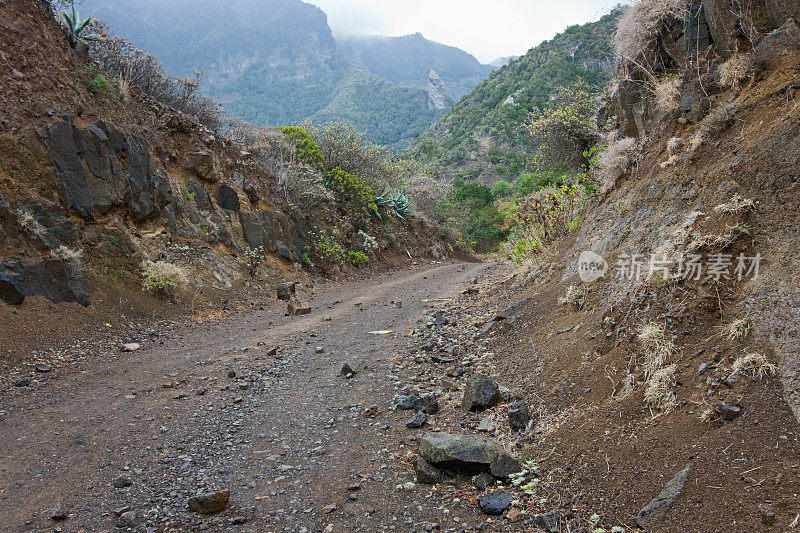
96 82
307 148
567 129
351 188
327 249
357 258
502 189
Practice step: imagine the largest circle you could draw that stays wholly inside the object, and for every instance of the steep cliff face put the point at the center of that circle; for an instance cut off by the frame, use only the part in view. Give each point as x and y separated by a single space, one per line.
108 197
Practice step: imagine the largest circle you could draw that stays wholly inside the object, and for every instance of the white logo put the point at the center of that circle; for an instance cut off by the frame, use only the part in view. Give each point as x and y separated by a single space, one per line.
591 266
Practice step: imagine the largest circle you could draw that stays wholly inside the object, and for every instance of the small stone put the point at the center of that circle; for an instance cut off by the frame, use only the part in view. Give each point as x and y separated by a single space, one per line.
767 515
483 481
439 319
655 511
328 509
728 412
232 374
352 496
481 393
120 510
24 382
237 520
515 515
703 368
371 412
428 404
284 291
407 401
503 465
128 518
272 352
41 367
427 473
122 482
129 347
397 304
487 424
418 420
320 349
495 503
58 512
207 503
518 416
353 486
550 522
297 307
347 371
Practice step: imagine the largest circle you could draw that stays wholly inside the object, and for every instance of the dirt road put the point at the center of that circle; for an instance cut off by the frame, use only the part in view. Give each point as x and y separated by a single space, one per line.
206 408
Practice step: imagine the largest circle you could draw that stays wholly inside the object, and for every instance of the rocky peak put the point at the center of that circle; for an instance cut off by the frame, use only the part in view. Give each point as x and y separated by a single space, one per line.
437 96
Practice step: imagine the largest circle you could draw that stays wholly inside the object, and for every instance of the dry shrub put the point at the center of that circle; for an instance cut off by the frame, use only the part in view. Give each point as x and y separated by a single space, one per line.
659 395
674 146
735 205
713 124
734 70
636 40
575 297
668 94
162 278
754 365
132 66
270 150
615 160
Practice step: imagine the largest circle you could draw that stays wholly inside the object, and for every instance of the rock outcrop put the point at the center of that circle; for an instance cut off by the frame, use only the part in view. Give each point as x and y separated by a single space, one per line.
437 95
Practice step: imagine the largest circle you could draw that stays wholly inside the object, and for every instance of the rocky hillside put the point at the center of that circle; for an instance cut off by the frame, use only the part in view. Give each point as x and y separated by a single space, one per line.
110 198
408 60
484 129
657 344
277 63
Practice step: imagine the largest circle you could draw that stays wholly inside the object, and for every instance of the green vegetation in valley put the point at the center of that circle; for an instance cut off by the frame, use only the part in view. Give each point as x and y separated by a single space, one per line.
498 107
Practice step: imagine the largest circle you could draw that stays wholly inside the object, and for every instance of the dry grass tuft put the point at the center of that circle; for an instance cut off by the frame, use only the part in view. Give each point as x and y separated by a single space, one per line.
659 379
615 160
67 254
659 395
734 71
163 278
668 94
738 329
636 39
754 365
735 205
575 296
715 123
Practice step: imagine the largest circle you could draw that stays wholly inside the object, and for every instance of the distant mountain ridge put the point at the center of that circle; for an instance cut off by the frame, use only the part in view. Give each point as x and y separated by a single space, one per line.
482 135
408 60
277 62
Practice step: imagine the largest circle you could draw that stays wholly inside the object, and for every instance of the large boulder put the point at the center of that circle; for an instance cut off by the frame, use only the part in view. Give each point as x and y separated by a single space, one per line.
481 393
228 198
459 452
203 164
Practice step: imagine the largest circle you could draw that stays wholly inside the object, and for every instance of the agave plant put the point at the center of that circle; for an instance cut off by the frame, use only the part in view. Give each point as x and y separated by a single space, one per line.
402 206
76 26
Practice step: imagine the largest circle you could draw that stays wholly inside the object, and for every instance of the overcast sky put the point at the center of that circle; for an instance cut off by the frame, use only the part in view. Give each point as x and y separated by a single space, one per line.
488 29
